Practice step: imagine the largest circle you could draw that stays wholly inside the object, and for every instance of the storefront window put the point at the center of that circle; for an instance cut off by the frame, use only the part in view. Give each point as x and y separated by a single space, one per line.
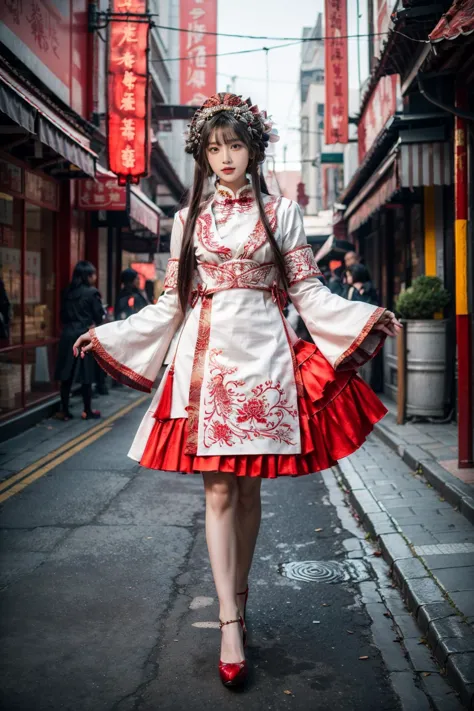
10 270
39 274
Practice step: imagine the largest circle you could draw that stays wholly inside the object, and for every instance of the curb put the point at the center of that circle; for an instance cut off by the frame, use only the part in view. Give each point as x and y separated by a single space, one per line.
455 492
450 638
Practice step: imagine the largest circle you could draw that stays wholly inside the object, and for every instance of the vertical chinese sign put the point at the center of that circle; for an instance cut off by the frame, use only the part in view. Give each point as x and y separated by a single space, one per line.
128 91
198 70
336 118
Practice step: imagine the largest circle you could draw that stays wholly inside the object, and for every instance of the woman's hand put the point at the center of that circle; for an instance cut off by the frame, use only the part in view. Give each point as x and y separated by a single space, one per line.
389 324
82 345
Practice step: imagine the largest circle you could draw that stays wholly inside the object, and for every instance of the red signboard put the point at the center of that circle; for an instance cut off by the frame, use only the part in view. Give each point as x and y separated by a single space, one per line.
380 107
50 38
336 112
128 105
198 72
103 193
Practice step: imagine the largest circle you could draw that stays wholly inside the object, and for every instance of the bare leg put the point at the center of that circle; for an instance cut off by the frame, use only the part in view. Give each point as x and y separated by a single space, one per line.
221 506
249 514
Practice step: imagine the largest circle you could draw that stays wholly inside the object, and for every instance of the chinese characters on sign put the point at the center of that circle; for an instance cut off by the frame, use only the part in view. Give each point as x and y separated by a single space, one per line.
380 107
103 193
198 73
128 119
336 118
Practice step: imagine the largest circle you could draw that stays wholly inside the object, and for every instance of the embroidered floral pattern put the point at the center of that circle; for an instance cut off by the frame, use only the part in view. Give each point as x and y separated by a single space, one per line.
300 264
226 205
258 237
237 274
209 239
171 276
231 417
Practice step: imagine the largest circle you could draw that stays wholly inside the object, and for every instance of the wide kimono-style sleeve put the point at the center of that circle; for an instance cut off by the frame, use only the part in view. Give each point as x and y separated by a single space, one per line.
132 350
341 329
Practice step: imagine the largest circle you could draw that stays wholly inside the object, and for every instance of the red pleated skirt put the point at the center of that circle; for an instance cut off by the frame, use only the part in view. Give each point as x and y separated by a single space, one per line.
337 412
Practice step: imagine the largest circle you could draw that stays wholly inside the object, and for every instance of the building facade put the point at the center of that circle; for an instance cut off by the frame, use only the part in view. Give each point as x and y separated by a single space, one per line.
58 203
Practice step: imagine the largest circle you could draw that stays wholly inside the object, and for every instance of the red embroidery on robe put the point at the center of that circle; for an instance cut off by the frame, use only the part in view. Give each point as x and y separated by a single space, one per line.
171 276
224 209
300 264
230 416
258 237
237 274
208 239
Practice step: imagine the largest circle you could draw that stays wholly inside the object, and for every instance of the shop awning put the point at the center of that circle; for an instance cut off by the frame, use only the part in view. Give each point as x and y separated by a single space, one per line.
377 191
37 118
409 165
425 164
139 213
457 22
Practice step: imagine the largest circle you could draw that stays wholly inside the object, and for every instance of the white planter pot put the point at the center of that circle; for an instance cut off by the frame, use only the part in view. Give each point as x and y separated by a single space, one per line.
426 367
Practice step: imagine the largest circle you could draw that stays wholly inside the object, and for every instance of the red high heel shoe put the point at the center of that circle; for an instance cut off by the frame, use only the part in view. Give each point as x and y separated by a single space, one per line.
246 593
233 673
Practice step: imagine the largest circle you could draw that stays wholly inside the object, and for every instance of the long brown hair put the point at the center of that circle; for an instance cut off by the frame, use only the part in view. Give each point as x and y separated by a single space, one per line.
231 128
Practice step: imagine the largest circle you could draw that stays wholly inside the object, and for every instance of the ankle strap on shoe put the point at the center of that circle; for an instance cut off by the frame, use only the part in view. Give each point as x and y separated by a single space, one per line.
229 622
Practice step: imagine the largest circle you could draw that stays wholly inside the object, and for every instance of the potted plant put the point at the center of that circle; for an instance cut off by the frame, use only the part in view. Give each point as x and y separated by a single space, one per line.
420 307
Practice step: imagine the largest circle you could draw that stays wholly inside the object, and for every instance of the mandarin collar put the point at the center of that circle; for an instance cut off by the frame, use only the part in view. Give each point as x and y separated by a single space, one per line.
223 193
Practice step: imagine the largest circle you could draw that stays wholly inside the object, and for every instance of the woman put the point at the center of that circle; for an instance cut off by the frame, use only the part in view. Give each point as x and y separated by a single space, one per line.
359 286
243 398
81 308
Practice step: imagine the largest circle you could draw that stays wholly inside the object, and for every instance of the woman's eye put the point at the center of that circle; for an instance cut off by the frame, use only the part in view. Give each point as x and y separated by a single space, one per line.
236 146
213 149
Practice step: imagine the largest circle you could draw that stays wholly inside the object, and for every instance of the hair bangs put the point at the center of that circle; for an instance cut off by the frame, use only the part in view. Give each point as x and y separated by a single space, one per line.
227 129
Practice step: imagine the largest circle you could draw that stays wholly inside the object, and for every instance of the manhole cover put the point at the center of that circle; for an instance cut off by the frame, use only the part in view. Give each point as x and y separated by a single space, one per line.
326 571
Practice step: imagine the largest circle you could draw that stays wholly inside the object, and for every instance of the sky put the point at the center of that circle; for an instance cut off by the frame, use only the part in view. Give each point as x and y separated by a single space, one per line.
279 18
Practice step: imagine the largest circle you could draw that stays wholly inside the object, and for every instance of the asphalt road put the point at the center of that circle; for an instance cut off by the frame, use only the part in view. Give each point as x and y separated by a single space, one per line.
108 602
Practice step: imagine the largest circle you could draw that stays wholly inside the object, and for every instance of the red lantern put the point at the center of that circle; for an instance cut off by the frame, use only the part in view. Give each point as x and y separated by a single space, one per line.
128 91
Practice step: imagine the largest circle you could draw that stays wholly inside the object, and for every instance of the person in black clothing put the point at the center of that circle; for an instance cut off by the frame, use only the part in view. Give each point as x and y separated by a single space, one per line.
130 299
359 286
81 308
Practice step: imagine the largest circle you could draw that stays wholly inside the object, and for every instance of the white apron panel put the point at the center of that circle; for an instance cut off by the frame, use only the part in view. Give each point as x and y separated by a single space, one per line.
248 397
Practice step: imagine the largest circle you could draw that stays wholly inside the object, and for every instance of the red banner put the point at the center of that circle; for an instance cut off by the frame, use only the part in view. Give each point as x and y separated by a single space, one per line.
380 107
336 118
198 73
128 105
103 193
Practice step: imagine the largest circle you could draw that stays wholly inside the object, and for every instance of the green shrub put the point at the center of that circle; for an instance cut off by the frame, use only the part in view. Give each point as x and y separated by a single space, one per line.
423 300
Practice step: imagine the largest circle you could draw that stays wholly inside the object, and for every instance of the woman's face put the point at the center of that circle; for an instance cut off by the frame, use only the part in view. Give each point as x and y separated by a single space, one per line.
228 159
349 278
93 278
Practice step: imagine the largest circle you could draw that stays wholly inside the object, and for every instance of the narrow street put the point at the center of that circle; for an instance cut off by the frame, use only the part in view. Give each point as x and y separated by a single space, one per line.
108 602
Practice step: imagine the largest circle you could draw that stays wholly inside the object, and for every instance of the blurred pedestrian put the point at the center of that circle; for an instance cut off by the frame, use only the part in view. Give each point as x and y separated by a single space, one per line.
81 307
351 258
359 286
130 299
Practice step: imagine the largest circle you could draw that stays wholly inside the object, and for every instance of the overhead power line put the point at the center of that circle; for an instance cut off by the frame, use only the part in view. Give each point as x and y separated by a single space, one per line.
265 37
268 49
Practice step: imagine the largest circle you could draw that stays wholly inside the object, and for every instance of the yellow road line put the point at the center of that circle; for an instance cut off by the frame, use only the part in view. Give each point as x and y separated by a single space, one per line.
44 470
85 438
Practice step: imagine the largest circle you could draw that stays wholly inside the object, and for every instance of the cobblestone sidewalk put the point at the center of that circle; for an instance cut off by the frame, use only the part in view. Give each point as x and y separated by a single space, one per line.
430 548
432 449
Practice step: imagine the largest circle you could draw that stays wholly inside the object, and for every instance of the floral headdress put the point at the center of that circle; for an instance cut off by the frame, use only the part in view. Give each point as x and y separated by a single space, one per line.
258 124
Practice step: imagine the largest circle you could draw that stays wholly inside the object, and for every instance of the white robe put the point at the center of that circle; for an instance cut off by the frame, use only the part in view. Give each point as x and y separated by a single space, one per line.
234 371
